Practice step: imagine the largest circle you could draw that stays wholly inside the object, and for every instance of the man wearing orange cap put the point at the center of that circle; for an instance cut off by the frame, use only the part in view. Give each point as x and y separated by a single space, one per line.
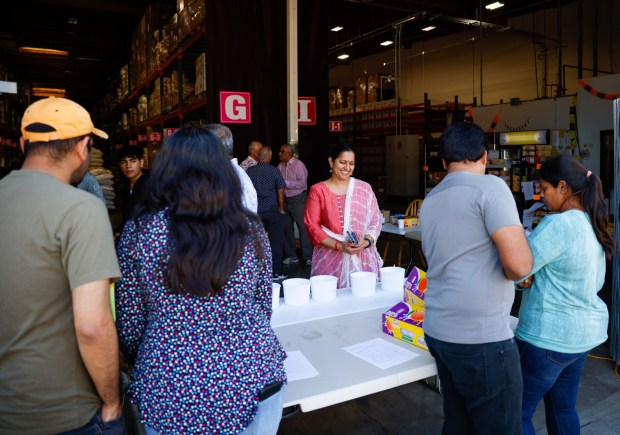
59 366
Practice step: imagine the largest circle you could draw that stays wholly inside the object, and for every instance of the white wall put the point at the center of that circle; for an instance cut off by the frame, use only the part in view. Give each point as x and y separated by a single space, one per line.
595 114
551 113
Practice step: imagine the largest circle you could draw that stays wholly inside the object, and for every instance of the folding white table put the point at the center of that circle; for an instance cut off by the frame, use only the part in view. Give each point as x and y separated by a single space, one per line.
321 331
393 229
413 235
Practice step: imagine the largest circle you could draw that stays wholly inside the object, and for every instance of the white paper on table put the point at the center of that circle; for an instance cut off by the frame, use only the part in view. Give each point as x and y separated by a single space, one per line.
528 214
298 367
527 187
381 353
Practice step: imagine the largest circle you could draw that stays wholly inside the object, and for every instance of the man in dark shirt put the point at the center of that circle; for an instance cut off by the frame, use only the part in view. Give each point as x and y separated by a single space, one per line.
131 162
269 185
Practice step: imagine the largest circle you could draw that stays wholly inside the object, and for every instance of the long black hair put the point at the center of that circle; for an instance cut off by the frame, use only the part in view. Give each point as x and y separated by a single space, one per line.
588 188
193 178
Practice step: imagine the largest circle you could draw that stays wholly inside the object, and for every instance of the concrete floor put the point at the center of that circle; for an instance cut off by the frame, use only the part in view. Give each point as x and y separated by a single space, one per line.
416 408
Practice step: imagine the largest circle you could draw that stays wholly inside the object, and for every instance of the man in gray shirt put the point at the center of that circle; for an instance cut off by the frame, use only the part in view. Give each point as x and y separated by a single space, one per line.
475 247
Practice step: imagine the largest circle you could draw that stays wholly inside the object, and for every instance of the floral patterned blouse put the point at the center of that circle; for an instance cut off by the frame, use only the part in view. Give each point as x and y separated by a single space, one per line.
199 363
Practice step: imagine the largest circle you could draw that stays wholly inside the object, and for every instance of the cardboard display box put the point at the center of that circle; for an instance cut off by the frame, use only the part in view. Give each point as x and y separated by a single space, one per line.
415 286
405 321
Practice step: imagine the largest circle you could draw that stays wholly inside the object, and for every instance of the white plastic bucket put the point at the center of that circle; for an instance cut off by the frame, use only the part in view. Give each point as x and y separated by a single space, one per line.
363 284
323 288
275 295
392 278
296 291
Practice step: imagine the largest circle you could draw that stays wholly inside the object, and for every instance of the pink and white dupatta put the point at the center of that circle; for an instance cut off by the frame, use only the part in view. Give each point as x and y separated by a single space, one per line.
361 215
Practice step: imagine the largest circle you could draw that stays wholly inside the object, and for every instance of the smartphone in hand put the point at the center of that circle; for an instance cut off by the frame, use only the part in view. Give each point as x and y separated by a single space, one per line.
352 237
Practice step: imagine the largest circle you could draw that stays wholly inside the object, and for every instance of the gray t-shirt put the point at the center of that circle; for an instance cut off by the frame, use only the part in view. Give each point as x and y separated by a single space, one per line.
469 298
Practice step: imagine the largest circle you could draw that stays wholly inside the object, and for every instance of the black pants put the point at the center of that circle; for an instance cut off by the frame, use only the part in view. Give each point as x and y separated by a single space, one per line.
274 225
295 207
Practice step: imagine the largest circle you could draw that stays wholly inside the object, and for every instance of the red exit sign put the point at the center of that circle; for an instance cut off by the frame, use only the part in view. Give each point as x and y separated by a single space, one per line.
335 126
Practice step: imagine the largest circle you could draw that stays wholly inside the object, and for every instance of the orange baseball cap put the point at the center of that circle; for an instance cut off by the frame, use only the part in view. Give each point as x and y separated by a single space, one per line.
66 117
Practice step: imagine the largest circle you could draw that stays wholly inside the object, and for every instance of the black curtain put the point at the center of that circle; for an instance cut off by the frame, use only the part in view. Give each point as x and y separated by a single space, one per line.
247 52
314 82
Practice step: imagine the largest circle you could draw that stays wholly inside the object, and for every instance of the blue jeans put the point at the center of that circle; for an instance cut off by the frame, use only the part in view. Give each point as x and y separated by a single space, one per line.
553 376
268 416
266 420
97 427
481 386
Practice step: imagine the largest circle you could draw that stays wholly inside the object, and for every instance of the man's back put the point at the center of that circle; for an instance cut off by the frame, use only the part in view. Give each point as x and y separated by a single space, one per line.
468 298
248 192
267 180
54 239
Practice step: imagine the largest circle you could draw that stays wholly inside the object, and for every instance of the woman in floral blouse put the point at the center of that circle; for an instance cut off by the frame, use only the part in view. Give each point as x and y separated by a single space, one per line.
194 304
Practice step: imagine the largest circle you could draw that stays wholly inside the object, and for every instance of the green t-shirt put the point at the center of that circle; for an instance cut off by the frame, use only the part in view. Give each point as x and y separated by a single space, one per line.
54 238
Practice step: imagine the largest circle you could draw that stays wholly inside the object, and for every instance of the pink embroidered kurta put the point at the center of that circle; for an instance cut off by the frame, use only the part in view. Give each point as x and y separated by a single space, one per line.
331 215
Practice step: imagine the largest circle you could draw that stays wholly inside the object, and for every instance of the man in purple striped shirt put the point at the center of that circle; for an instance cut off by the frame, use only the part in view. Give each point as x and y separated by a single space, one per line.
296 177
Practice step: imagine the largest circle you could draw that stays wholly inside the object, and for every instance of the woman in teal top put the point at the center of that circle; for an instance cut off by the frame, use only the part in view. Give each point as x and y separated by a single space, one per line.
561 317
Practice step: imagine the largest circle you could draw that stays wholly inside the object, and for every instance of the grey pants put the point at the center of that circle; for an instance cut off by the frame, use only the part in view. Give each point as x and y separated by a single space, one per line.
295 207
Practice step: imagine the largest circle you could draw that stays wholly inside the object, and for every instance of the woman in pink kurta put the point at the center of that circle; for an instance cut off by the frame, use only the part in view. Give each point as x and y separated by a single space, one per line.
335 206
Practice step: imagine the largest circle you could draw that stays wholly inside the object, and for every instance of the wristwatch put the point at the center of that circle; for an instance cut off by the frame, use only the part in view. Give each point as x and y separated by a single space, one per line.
369 242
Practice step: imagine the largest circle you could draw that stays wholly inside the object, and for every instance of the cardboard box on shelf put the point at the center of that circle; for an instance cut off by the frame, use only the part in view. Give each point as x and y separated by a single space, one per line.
154 105
124 81
184 24
373 87
332 101
196 14
142 51
337 99
201 74
532 159
143 104
350 100
361 95
405 321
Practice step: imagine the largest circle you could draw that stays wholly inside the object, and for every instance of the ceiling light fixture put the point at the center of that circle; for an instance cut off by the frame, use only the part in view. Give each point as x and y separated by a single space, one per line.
495 5
343 56
47 51
48 92
337 29
386 43
428 29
